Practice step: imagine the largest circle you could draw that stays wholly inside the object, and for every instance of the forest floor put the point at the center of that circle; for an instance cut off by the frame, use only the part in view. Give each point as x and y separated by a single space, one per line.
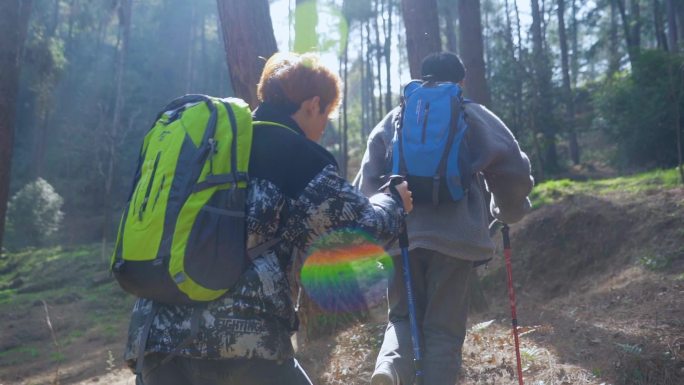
599 280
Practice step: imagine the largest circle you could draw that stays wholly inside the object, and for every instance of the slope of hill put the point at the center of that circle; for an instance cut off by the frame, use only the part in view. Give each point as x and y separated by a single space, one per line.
599 274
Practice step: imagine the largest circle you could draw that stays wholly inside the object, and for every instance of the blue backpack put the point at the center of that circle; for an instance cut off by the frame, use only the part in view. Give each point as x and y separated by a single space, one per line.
428 146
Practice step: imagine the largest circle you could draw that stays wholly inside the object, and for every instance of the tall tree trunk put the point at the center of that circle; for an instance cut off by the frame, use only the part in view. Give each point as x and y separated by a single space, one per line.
449 18
672 25
631 29
44 103
248 38
205 78
659 28
676 80
113 136
306 19
388 55
190 59
345 111
679 10
365 103
422 31
635 13
370 82
542 113
14 15
517 76
614 51
378 60
574 63
472 50
518 30
567 90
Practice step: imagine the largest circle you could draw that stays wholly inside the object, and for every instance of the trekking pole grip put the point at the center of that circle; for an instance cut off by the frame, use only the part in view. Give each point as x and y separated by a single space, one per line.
506 237
392 183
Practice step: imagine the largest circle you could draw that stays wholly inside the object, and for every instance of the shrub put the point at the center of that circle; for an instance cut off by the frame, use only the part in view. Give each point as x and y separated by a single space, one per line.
33 215
637 110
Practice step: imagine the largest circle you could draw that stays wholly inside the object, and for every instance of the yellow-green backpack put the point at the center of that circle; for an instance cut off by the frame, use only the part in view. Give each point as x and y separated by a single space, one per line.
182 234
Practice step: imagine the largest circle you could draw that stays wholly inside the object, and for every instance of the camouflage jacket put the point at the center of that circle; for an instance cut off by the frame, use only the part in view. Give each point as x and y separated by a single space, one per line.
256 318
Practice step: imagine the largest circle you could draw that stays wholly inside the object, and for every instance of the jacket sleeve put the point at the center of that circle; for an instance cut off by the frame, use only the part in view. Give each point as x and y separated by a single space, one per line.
506 168
329 203
375 161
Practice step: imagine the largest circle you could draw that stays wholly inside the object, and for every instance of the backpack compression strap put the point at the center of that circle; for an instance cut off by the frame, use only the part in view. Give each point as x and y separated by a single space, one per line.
441 168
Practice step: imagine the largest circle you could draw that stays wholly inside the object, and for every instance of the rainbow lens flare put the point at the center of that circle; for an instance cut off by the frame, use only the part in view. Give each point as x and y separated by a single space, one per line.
346 271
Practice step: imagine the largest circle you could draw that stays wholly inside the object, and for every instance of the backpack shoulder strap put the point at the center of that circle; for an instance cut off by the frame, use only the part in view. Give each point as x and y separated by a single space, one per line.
399 129
265 122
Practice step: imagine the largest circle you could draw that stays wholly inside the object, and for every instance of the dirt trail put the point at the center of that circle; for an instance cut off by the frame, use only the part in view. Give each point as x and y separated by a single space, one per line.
600 286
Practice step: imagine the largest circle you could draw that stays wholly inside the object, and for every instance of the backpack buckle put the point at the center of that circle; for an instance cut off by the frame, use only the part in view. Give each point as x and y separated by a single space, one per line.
118 266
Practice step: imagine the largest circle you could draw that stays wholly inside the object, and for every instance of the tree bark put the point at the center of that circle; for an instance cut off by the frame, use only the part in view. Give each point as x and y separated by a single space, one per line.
113 136
517 76
542 113
567 90
388 55
43 103
614 52
378 60
248 40
451 40
658 24
14 15
631 29
679 10
370 82
575 47
190 59
635 14
672 26
472 50
422 31
345 111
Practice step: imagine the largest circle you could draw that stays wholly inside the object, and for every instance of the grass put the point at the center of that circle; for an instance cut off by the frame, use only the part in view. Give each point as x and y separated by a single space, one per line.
20 351
654 262
553 190
62 277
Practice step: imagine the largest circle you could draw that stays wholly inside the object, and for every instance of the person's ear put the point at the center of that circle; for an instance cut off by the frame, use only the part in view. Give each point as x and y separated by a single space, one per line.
314 105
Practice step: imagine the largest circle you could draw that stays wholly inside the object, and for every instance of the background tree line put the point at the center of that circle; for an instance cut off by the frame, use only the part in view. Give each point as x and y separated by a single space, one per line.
584 85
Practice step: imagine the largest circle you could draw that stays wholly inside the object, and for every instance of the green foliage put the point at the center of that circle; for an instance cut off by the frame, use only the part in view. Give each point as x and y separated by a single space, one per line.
637 110
34 215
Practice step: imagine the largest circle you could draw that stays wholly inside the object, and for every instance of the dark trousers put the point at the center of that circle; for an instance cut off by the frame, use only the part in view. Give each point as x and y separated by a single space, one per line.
440 285
192 371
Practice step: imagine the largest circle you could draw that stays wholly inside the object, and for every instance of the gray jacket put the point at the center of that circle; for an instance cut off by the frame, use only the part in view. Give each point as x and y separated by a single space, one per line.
460 229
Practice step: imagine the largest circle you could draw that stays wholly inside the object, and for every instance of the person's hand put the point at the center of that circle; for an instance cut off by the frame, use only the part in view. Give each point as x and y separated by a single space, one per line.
406 195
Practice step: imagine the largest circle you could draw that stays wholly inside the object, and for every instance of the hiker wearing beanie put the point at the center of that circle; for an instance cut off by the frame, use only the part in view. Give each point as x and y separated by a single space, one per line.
448 228
294 196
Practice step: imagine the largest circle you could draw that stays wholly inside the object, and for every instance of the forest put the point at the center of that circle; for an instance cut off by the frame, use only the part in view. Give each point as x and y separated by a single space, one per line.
591 89
586 87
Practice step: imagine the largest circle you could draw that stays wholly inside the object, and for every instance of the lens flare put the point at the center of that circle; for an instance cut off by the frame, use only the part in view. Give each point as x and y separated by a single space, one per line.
346 271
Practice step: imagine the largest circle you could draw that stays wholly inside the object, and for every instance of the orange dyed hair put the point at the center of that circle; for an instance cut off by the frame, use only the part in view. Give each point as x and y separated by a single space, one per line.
290 78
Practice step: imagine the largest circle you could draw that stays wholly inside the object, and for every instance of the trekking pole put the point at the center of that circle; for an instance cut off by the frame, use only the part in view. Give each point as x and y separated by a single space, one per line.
404 246
511 297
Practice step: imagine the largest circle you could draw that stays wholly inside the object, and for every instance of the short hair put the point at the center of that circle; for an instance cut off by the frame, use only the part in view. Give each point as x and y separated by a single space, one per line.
442 67
289 79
